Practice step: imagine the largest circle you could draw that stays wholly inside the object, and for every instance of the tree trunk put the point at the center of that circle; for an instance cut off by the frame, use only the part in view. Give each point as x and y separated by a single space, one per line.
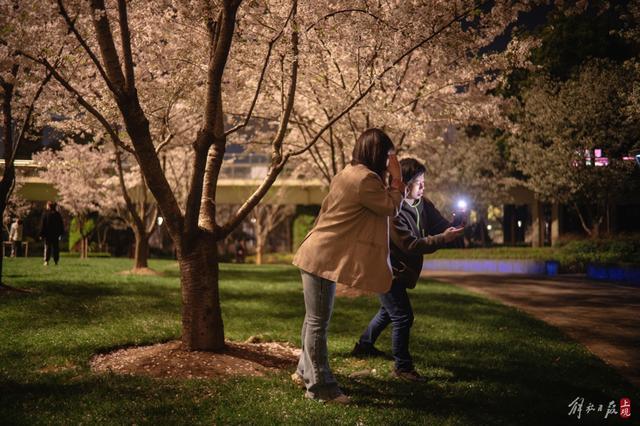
2 207
259 249
588 230
141 250
202 327
84 247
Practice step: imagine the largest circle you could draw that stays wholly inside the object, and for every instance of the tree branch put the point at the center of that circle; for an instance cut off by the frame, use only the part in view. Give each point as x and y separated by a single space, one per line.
378 78
107 45
81 100
125 35
217 62
261 79
338 12
288 105
252 201
131 208
164 143
72 27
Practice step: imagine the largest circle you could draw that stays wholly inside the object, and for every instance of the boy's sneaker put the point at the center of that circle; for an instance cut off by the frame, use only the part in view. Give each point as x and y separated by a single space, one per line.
365 351
410 376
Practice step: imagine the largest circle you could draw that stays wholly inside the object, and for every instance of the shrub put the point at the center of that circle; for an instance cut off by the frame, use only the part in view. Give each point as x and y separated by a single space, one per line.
74 232
302 224
620 250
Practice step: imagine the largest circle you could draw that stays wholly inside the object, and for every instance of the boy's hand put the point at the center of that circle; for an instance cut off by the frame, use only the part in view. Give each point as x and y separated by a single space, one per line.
452 233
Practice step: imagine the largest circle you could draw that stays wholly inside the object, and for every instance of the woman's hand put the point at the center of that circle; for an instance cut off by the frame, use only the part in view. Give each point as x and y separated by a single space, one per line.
396 173
394 168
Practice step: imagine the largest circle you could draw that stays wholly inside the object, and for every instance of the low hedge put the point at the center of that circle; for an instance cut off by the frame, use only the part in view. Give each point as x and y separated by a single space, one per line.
573 256
622 250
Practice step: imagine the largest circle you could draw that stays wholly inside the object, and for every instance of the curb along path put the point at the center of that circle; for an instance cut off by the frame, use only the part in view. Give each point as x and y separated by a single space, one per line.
604 317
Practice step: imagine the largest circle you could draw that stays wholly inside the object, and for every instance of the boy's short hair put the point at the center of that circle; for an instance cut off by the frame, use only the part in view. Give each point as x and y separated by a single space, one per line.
411 168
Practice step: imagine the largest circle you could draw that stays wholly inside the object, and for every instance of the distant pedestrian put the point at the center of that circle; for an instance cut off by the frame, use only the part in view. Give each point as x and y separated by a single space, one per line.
51 230
15 237
240 251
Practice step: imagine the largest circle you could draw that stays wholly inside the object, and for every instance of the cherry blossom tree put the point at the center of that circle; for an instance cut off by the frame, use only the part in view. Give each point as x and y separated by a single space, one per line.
16 206
448 83
262 60
21 86
266 217
79 172
135 206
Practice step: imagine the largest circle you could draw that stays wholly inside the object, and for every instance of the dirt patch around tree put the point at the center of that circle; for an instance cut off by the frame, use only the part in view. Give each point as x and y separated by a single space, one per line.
169 360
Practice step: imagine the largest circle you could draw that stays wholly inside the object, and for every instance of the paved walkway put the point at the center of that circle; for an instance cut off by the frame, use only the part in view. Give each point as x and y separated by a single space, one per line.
604 317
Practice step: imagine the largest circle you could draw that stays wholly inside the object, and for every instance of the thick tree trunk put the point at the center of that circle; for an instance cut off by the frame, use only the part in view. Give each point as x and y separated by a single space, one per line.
202 327
141 250
2 207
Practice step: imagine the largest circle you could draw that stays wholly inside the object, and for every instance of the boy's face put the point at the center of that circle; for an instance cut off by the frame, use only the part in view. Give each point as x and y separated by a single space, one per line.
416 187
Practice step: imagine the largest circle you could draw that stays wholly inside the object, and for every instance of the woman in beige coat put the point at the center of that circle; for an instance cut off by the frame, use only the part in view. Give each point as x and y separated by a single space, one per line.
349 244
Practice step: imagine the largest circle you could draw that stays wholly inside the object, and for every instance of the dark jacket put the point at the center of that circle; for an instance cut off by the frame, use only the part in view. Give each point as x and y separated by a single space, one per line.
52 227
416 231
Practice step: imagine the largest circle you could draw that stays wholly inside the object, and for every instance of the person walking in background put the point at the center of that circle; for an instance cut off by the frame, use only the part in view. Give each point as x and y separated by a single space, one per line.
15 237
348 244
51 230
418 229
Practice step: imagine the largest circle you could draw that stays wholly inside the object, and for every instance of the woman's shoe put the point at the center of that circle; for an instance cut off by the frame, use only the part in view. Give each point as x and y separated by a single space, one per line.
298 380
341 399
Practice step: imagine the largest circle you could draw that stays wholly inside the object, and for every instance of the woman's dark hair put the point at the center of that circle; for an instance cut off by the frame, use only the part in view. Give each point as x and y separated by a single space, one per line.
372 150
411 168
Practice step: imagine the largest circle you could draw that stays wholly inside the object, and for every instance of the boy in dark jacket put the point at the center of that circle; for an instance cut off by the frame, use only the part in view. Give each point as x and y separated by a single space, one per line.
418 229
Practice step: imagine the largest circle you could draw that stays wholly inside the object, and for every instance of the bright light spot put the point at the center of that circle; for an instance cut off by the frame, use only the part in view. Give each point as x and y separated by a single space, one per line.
488 227
160 220
462 205
519 224
253 220
597 152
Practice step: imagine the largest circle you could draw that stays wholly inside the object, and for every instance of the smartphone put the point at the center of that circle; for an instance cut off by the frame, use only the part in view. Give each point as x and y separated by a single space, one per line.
458 221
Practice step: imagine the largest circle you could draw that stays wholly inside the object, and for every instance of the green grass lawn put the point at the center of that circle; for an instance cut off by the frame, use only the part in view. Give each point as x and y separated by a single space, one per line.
486 363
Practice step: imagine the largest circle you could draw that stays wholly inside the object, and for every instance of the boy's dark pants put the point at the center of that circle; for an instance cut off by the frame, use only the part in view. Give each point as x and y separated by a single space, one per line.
395 309
51 249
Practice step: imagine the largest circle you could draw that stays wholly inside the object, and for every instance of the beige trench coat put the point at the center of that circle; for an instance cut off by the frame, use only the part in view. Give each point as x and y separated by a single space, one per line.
349 243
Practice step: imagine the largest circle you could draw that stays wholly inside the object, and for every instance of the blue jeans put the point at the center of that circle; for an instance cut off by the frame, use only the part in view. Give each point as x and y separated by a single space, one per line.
313 365
395 309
